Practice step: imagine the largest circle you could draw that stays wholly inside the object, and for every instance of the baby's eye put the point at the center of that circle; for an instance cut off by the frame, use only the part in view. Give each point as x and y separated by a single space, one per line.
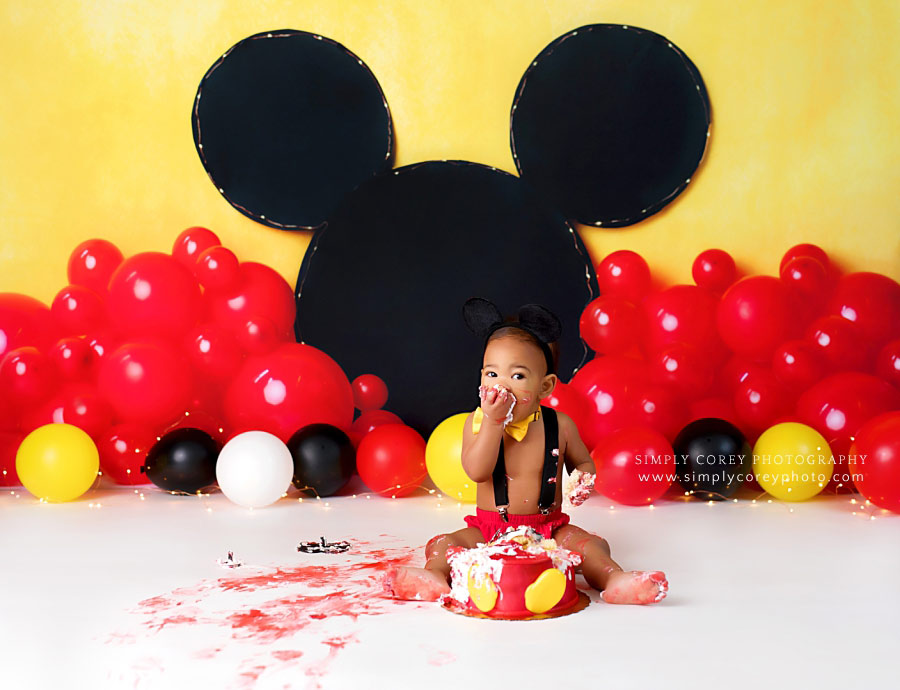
490 374
518 376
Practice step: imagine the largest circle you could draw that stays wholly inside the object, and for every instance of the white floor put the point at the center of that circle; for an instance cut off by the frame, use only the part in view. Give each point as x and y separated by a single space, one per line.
128 594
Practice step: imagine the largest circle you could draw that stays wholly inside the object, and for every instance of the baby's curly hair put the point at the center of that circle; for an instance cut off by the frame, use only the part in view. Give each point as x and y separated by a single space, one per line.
526 337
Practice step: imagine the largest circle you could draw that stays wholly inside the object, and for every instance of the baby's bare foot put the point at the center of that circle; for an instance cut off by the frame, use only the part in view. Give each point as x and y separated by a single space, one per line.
635 587
402 582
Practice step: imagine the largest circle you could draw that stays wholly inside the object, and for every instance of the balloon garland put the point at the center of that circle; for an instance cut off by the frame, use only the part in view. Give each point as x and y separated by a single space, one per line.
153 363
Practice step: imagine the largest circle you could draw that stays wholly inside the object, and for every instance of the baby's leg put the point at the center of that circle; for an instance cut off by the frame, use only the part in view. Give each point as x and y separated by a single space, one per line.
604 574
430 582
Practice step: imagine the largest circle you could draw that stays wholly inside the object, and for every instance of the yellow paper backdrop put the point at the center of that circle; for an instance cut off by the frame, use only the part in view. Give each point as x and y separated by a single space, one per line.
95 136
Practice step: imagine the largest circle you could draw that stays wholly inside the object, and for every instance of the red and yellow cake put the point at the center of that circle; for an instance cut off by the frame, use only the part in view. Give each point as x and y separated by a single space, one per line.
517 576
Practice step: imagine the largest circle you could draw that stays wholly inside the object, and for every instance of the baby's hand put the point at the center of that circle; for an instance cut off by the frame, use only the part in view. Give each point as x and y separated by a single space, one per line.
497 403
578 487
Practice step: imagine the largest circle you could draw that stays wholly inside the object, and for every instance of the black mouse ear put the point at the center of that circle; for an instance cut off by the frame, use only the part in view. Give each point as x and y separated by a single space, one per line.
542 321
609 123
287 123
481 315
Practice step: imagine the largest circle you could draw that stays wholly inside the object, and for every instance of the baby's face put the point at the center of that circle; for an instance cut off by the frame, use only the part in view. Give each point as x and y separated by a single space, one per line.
520 367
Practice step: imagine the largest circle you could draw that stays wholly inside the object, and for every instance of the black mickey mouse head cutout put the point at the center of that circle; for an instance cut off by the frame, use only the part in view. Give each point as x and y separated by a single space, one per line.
608 125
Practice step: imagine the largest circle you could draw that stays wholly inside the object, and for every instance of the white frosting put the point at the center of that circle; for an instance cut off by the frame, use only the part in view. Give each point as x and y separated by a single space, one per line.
482 390
578 487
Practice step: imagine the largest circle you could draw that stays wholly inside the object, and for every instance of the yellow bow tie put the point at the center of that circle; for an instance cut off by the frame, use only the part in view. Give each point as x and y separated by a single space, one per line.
515 429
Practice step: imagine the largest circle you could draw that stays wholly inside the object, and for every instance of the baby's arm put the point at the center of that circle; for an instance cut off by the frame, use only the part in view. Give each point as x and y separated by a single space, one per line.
479 451
582 472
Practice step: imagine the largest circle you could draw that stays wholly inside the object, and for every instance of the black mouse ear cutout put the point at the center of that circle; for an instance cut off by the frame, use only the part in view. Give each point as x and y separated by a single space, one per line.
542 321
481 315
287 123
609 123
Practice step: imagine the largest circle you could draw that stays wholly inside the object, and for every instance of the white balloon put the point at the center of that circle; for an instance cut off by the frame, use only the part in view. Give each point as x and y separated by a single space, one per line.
254 469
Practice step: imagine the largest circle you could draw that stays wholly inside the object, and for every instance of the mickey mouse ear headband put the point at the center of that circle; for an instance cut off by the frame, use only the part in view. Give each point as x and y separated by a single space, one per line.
483 318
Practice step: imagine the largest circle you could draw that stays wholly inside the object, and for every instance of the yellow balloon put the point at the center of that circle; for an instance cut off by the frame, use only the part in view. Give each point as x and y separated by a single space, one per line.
57 462
443 460
792 461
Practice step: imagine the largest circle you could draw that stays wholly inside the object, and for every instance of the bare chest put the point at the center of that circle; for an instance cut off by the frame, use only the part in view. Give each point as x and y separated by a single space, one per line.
524 462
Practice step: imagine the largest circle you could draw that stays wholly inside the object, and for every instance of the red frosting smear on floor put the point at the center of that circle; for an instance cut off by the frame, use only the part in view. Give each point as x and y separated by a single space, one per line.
261 607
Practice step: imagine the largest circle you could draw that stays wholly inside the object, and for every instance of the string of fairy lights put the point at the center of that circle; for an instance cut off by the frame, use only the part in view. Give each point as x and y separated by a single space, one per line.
859 507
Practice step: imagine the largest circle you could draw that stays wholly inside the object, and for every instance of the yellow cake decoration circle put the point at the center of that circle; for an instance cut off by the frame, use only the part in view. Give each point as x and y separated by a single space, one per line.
546 591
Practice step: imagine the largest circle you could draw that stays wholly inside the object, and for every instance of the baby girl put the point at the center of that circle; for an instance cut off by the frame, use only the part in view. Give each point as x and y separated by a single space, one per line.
511 449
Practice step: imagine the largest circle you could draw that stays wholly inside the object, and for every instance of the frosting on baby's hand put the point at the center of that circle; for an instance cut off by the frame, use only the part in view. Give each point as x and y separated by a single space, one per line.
482 394
578 487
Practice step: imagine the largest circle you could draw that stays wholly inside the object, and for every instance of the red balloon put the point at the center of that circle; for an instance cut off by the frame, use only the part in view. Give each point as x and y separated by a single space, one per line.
198 419
213 351
391 460
373 418
841 481
191 243
9 446
683 314
683 367
839 342
48 412
217 268
205 410
871 301
755 315
611 385
875 461
368 421
287 389
92 264
85 408
123 449
736 371
809 250
10 413
635 466
24 321
714 270
208 395
572 402
147 383
759 401
798 364
259 292
73 358
661 408
102 345
611 325
151 294
717 408
625 274
26 375
808 276
369 392
259 336
78 310
841 403
887 363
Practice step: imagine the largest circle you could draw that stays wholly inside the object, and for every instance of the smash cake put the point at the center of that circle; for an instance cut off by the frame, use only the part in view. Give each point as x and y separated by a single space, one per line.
516 576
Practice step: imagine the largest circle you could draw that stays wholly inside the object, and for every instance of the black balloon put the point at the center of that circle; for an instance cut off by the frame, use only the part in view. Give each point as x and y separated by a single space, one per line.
182 460
324 459
712 458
